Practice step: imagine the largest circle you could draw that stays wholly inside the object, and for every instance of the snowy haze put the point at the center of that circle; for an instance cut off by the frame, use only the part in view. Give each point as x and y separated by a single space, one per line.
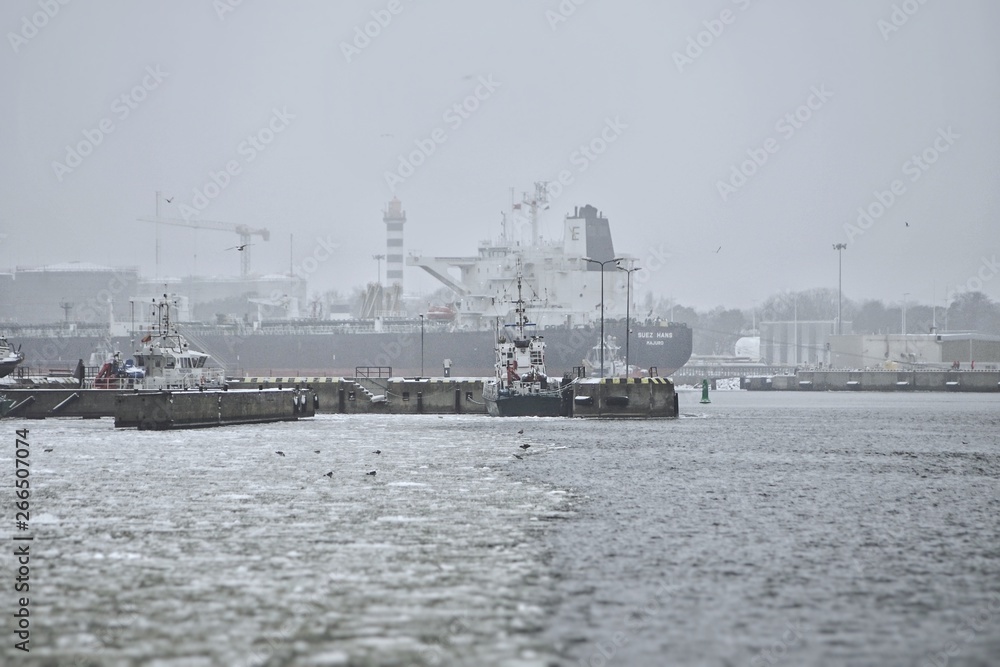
886 81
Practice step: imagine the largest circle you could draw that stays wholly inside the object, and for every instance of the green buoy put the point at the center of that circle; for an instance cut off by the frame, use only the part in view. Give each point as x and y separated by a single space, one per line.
704 392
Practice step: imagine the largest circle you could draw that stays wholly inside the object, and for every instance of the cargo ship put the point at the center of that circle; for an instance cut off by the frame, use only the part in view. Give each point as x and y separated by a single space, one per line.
562 277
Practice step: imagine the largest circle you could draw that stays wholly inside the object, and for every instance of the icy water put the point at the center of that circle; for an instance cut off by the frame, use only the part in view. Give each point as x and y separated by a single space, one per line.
762 529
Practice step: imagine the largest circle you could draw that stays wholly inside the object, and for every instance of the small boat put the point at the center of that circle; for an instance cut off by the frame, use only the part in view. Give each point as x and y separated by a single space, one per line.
9 358
614 364
521 387
164 360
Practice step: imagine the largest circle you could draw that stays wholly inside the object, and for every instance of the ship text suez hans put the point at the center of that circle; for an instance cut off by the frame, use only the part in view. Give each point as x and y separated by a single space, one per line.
564 288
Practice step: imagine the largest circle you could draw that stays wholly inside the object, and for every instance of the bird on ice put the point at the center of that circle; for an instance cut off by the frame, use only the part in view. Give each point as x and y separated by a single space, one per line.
520 431
525 446
329 474
280 453
372 473
377 451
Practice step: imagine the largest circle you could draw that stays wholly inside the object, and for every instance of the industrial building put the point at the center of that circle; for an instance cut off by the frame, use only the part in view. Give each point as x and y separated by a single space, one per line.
939 350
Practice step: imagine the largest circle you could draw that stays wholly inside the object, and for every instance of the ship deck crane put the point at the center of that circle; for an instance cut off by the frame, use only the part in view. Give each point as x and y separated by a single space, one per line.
245 233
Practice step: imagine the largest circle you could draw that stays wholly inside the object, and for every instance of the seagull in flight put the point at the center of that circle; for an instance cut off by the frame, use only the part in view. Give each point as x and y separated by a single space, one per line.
240 247
718 249
907 224
168 199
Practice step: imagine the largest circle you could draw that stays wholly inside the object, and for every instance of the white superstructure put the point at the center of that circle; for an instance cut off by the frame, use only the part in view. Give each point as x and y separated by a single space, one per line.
566 288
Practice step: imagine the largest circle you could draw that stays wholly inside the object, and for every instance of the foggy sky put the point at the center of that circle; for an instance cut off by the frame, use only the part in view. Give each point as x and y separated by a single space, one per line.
198 80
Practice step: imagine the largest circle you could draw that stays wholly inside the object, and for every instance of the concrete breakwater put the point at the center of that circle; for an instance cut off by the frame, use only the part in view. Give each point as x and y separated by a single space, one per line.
163 409
879 380
383 395
200 409
608 398
263 399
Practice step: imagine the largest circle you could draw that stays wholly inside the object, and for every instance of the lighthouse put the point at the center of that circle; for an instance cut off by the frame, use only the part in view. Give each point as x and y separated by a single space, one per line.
394 218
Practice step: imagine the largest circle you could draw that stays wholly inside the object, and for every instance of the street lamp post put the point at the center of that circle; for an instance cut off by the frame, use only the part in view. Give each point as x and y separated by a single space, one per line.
628 306
839 247
421 345
378 267
602 264
902 326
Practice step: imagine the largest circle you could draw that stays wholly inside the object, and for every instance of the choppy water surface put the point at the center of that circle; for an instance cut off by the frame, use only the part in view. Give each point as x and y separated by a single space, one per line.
763 529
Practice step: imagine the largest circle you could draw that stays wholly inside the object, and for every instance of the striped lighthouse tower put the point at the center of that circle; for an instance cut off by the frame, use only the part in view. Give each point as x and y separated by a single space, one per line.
394 217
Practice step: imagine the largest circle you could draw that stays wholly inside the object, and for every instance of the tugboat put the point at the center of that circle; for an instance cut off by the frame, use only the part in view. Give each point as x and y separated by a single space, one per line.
521 387
9 358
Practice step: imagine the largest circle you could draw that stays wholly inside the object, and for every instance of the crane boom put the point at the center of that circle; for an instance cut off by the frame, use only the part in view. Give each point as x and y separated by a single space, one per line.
245 233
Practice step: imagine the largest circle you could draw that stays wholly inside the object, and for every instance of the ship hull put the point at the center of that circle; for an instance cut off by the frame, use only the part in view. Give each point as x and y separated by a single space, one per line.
7 367
502 404
471 353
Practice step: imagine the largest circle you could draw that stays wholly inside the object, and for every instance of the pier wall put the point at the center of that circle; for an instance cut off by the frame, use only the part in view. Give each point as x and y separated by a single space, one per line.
43 403
172 409
624 398
459 395
877 380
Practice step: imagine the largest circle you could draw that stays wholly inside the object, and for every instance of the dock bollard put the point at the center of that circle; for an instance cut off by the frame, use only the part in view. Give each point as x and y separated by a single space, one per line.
704 391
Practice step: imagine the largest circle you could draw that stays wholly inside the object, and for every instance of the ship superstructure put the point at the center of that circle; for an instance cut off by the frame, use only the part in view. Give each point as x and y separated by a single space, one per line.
555 273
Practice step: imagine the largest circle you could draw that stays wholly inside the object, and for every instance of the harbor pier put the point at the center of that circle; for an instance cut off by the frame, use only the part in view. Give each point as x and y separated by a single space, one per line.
880 380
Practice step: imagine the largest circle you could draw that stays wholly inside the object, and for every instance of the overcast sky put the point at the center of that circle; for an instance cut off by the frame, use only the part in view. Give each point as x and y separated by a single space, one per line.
677 95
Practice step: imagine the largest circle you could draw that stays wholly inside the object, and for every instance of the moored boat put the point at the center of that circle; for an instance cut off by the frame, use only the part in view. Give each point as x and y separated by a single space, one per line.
520 386
9 358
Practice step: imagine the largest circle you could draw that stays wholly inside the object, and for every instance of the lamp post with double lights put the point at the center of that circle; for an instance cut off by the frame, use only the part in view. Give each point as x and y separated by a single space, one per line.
421 345
839 247
378 258
628 306
602 265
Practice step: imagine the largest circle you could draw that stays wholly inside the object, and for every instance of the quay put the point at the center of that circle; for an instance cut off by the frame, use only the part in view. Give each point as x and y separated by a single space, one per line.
610 398
267 399
878 380
163 409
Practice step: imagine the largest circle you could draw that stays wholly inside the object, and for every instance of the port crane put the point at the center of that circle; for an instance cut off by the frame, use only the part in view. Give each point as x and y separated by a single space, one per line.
245 233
